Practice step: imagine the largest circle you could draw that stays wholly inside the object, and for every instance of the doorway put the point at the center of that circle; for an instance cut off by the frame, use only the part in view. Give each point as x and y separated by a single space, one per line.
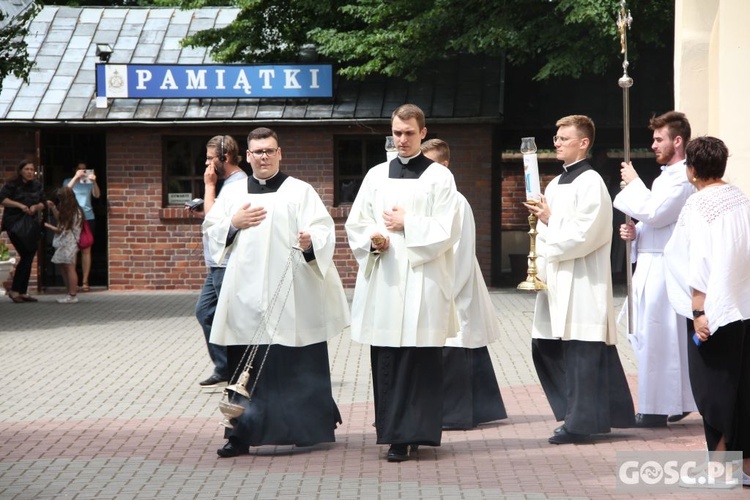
60 152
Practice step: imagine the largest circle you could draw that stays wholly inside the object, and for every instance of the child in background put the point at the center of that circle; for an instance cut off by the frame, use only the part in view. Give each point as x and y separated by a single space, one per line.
69 218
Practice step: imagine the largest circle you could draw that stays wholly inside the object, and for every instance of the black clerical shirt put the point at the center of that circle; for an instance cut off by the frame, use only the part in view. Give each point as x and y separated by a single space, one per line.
256 186
572 171
412 168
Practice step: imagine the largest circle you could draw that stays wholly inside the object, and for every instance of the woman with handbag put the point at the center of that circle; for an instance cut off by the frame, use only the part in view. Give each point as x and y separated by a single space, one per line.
24 200
70 220
84 185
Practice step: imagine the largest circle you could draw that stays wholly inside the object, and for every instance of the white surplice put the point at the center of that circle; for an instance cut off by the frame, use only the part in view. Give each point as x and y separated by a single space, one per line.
659 336
708 251
403 296
476 313
254 308
574 261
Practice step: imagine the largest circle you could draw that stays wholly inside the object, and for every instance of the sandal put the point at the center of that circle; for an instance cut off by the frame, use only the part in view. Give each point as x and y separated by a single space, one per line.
15 298
85 287
28 298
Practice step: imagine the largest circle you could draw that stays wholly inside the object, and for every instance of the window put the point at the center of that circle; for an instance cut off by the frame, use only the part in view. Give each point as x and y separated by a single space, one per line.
354 156
184 164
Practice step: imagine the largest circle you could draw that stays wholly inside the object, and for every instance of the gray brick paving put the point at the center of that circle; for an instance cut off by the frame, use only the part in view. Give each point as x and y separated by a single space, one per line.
100 400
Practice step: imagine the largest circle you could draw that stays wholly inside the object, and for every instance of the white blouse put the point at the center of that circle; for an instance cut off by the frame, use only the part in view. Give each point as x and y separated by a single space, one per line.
709 252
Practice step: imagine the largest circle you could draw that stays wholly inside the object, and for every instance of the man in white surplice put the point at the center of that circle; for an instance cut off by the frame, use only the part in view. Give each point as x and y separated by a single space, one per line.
659 337
574 340
290 299
402 227
471 395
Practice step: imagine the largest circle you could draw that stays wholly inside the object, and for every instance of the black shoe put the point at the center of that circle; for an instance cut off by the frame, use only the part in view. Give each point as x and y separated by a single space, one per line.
644 420
677 418
398 453
232 450
567 437
212 381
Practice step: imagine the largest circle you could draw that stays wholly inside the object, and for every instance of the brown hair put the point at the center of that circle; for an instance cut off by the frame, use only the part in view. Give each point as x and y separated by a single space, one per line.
440 147
409 111
677 124
582 123
67 207
708 157
227 146
261 133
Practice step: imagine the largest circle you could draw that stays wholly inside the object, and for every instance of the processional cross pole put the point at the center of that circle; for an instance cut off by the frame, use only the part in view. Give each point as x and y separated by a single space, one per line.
624 20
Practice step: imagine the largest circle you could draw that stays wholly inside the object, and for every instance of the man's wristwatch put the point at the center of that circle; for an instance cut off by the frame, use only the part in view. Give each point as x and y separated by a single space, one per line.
697 313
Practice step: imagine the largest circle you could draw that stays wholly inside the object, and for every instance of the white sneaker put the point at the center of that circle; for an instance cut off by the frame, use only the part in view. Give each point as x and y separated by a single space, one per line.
70 299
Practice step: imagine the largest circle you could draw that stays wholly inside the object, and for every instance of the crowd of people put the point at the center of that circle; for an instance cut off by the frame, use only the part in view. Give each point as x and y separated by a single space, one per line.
71 213
272 297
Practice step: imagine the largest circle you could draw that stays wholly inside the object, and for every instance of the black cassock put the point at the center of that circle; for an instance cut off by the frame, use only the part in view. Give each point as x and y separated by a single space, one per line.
471 395
585 384
292 403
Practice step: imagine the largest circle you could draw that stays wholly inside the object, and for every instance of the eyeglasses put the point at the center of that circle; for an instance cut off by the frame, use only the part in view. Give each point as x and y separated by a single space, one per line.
560 139
258 153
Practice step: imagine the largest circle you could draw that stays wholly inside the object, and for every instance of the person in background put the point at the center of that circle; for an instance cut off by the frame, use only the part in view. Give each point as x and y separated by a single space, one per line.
402 227
69 217
471 395
222 162
24 200
659 337
708 280
281 298
84 185
574 339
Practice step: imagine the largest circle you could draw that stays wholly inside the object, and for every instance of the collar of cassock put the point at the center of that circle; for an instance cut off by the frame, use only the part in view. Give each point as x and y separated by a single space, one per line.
574 170
270 185
408 168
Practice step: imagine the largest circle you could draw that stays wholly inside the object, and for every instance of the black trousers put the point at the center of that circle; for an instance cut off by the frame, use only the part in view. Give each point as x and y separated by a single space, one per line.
22 274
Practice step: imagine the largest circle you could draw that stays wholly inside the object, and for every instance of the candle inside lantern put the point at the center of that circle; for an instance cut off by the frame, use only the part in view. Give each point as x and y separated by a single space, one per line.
530 169
391 151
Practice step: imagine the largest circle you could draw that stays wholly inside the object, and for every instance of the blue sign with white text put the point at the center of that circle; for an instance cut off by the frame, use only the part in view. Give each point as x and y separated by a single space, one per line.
165 81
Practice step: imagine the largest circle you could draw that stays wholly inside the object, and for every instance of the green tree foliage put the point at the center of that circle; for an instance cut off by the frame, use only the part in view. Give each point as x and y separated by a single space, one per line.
562 38
14 56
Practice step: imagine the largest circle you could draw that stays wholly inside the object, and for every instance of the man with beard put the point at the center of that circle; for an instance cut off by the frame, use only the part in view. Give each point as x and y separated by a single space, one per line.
659 337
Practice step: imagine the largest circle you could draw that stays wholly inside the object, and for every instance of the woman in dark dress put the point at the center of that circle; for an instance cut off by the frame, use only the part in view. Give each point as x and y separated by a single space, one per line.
24 200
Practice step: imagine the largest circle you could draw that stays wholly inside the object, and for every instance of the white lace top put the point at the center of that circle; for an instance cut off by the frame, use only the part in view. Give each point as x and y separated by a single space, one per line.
710 251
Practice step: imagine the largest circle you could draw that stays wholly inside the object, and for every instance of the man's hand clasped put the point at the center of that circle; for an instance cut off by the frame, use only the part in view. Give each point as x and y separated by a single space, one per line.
248 216
394 219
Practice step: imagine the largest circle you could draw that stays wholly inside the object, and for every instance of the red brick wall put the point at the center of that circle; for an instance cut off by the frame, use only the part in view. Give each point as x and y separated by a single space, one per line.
152 248
514 216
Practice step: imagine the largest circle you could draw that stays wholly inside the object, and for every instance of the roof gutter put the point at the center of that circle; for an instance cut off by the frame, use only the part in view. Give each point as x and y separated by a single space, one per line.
270 121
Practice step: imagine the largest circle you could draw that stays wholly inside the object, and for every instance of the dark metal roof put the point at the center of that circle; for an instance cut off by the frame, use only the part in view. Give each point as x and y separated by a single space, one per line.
61 88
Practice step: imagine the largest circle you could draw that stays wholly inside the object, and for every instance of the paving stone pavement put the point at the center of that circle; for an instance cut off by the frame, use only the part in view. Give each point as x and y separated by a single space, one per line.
100 400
